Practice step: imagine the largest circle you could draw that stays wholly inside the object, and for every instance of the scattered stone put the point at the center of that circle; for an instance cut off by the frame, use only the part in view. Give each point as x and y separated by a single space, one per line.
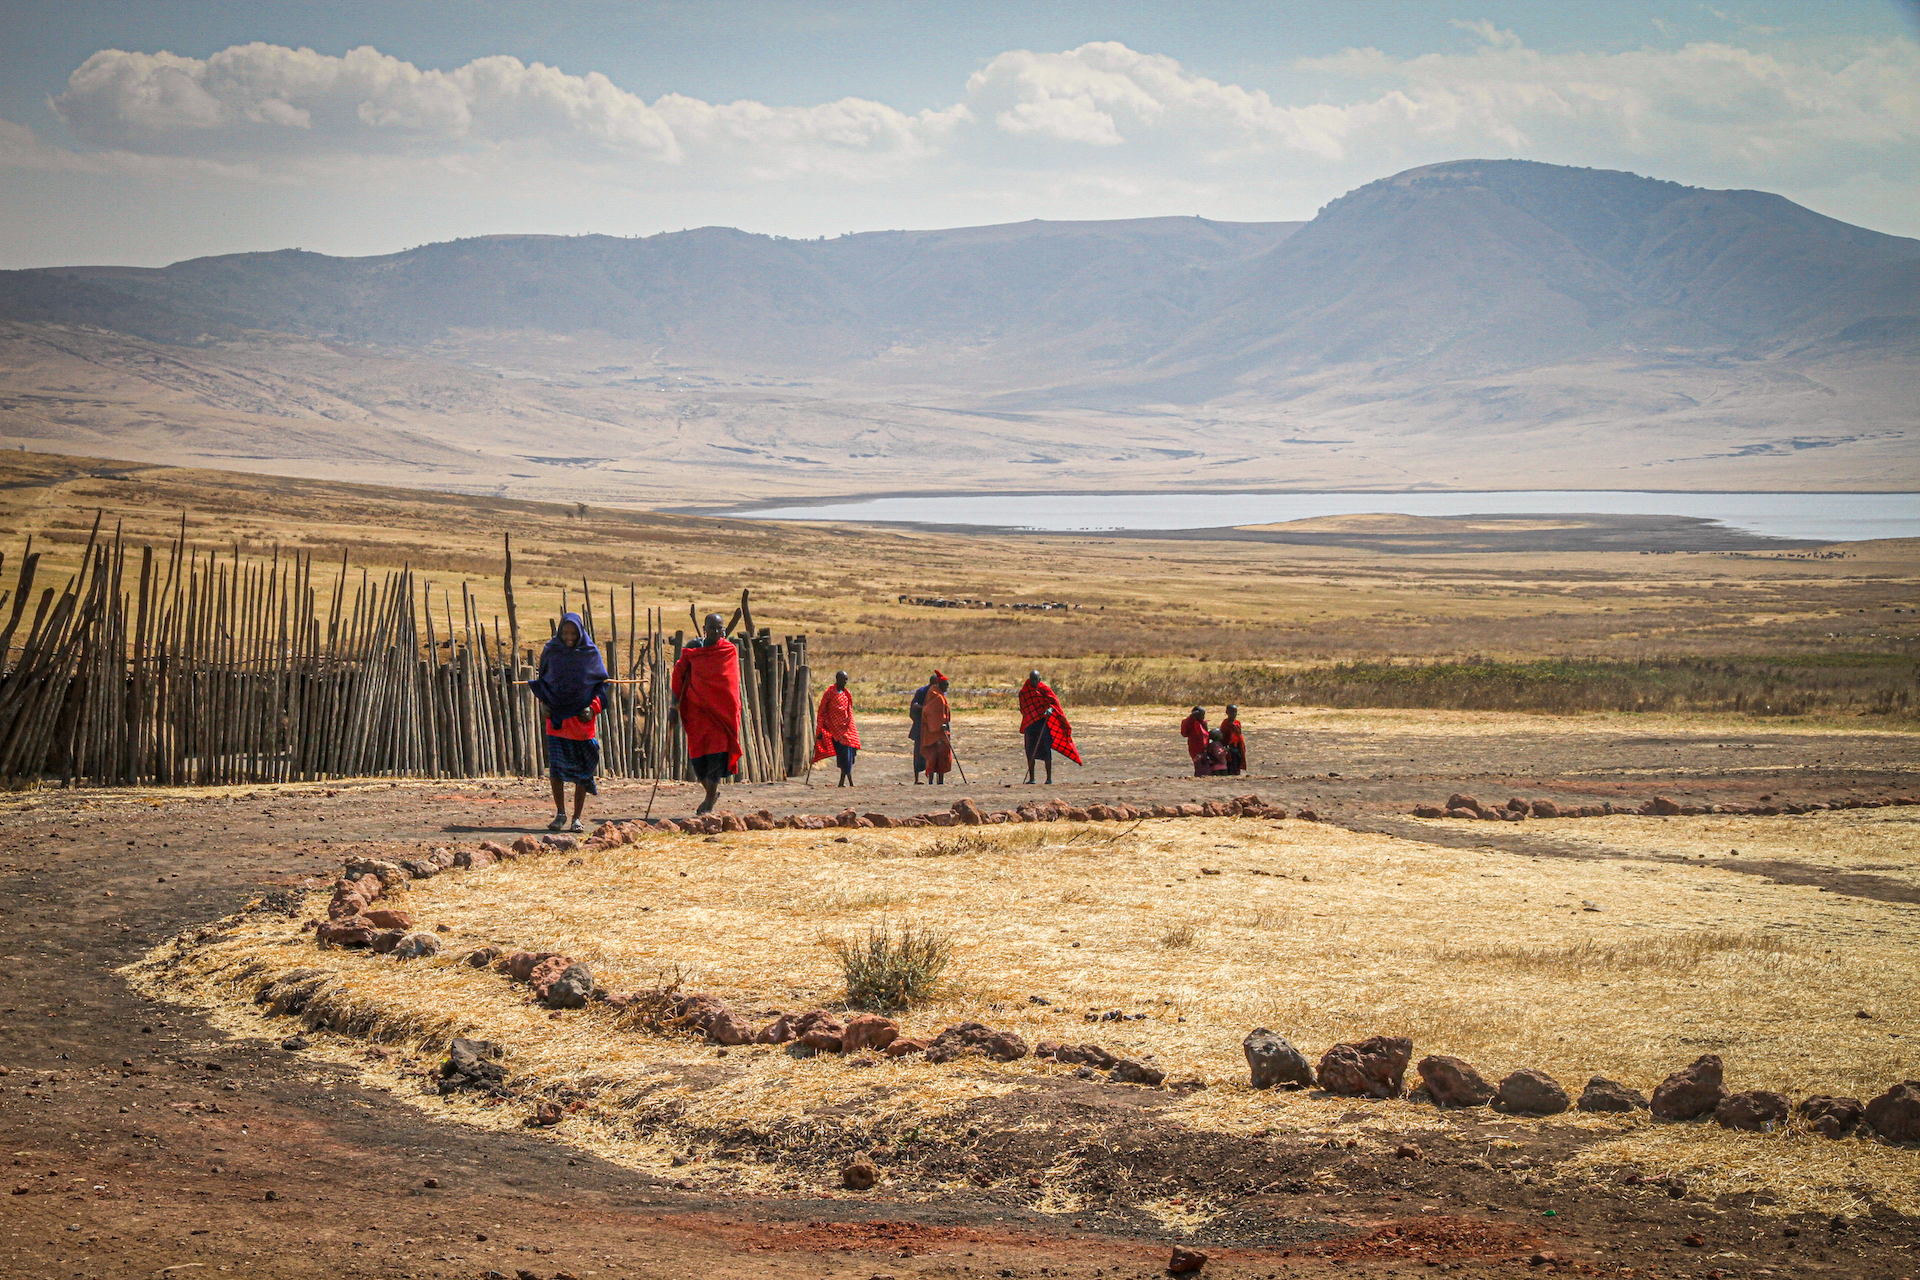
967 813
1832 1117
1531 1092
1185 1261
1406 1151
571 988
519 965
346 904
1895 1114
416 946
294 1044
1691 1092
1129 1071
391 876
546 973
1459 801
1429 811
1372 1068
1085 1055
482 957
972 1038
868 1031
471 1064
1755 1110
387 940
905 1045
820 1031
1663 807
1273 1062
1545 809
345 933
474 859
1453 1082
387 918
1604 1095
500 852
548 1114
859 1175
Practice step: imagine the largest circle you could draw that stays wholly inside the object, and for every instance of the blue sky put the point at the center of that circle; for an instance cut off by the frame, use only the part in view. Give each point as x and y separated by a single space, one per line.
151 132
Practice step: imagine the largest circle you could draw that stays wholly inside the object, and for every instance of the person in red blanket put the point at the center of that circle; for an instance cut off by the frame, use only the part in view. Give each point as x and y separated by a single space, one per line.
1044 725
706 702
834 733
1194 728
1234 741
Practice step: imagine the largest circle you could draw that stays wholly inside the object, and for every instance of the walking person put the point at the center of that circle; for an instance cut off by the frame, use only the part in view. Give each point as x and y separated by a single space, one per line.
1234 741
706 703
913 725
936 732
1194 728
1043 723
570 682
834 733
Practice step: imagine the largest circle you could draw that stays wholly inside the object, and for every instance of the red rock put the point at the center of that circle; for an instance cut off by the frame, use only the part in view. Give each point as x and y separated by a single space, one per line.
1429 811
1691 1092
346 905
353 932
443 857
1099 813
903 1046
846 818
387 918
1461 801
1186 811
470 859
819 1030
818 822
546 973
1461 813
967 813
1545 809
859 1174
1752 1109
1452 1082
967 1038
527 846
878 819
915 821
1307 815
732 822
519 965
1372 1068
548 1114
757 823
1185 1261
1531 1092
868 1031
1832 1117
1078 1055
385 940
779 1031
481 957
1895 1114
938 819
1074 814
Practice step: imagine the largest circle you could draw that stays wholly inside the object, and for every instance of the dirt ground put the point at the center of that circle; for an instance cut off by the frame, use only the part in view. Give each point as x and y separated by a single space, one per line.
144 1142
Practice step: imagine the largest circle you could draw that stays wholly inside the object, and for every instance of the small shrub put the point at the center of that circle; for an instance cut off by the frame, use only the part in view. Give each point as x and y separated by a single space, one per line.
1181 935
893 968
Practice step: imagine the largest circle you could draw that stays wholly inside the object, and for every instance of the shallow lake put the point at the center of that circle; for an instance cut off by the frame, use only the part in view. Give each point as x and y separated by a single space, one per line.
1834 517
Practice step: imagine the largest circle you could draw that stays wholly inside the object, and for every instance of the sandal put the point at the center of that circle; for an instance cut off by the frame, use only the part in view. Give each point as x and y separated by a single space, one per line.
575 825
559 822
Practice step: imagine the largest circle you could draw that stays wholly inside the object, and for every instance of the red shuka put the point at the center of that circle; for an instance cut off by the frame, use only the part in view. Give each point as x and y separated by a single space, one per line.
707 682
577 728
834 723
1035 701
1196 731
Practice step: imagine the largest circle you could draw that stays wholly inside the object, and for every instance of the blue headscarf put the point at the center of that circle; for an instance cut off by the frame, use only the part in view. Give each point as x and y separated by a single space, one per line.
570 677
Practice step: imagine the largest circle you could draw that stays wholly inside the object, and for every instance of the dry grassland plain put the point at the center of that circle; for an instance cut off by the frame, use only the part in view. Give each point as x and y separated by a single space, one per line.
1625 967
1150 623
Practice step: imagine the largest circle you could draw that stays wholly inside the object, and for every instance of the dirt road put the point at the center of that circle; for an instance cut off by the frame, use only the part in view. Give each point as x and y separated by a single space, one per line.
144 1143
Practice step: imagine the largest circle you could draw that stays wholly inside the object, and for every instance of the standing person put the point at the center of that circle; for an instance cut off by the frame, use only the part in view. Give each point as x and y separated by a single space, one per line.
913 725
1234 741
1043 723
706 700
571 679
835 734
936 732
1195 729
1213 759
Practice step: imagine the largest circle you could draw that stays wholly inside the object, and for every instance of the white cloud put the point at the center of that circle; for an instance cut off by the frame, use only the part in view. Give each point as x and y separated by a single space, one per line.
1101 130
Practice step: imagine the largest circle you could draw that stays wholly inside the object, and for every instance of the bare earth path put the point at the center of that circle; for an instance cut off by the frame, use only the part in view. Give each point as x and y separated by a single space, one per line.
143 1143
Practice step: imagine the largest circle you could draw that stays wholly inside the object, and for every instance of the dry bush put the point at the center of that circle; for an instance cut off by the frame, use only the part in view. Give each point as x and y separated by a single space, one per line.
1180 935
893 968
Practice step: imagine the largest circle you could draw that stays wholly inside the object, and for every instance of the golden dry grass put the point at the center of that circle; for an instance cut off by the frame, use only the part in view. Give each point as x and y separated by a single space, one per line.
1321 933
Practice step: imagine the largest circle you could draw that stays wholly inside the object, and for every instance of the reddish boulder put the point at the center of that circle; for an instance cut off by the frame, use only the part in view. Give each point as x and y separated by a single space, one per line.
1604 1095
1832 1117
353 932
1078 1055
1755 1110
346 904
1273 1062
1545 809
481 957
527 846
732 822
1186 811
905 1045
1307 815
1372 1068
1429 811
519 965
1452 1082
846 818
1164 811
938 819
385 940
1895 1114
472 859
757 823
878 819
547 972
859 1174
1691 1092
967 1038
819 1030
868 1031
387 918
1075 814
1212 809
1185 1261
967 813
1663 806
1462 813
1529 1092
1458 800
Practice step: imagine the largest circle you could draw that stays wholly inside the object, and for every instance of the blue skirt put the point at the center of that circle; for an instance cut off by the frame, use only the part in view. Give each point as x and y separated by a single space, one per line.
574 760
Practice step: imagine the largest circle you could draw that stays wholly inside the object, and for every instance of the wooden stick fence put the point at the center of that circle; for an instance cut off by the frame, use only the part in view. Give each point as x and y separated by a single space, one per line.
218 669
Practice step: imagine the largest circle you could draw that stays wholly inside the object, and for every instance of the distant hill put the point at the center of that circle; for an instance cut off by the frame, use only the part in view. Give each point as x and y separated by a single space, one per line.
1564 327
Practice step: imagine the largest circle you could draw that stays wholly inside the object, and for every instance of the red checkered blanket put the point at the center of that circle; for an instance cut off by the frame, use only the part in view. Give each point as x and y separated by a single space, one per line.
1036 699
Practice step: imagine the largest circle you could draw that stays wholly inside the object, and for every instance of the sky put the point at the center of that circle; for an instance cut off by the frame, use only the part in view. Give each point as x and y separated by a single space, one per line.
148 131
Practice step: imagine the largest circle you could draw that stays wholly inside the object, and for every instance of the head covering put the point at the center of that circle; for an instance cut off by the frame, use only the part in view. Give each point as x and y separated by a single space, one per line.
935 676
571 677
